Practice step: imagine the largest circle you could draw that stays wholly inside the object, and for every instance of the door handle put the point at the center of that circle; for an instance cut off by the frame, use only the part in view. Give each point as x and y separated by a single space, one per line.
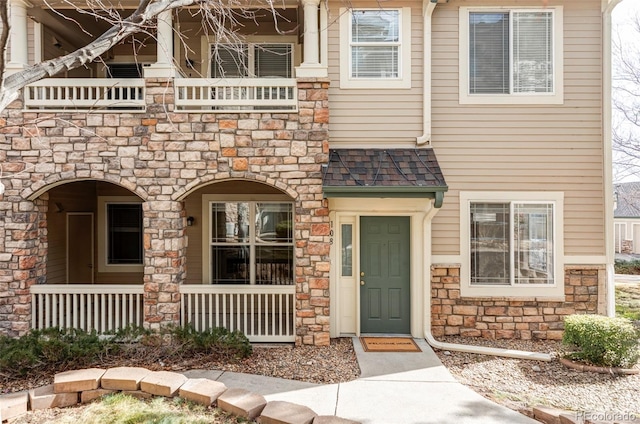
362 282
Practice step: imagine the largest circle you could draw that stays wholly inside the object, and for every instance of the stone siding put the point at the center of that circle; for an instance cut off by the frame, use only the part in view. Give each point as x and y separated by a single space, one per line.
162 156
509 318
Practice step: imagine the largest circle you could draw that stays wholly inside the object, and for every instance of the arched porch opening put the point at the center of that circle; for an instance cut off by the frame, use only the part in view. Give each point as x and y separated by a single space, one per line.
241 260
94 260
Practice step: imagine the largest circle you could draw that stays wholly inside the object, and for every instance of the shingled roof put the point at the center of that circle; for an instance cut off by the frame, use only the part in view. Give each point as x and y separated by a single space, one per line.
384 173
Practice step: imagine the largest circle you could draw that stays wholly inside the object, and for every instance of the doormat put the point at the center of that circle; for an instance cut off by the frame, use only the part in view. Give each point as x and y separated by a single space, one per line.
389 344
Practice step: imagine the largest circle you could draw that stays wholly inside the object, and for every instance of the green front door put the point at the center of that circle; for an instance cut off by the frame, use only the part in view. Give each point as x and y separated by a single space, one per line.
385 305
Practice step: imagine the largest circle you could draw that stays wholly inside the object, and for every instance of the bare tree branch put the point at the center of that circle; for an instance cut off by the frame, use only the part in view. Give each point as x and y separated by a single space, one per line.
220 18
4 37
626 99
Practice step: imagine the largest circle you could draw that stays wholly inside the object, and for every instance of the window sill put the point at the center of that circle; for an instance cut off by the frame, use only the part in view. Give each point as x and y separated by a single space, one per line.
548 293
511 99
377 83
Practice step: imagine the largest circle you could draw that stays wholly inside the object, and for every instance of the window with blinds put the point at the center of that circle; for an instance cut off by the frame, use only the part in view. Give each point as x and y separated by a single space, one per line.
375 44
511 52
259 60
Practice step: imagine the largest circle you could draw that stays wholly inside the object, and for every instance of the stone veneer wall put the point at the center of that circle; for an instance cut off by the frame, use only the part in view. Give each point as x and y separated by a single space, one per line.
508 318
160 156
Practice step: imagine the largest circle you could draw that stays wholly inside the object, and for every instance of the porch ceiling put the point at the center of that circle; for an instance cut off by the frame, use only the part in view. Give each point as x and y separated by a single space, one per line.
79 28
384 173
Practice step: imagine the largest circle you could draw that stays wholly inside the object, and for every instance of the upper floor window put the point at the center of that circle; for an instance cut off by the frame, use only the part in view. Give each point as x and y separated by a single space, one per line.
375 48
375 44
253 60
510 55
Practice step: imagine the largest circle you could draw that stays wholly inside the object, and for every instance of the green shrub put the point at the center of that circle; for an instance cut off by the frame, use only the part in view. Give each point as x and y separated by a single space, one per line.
58 349
49 347
217 340
604 341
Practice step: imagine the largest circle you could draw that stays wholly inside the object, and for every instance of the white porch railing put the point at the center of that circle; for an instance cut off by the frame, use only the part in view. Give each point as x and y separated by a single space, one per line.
95 94
262 313
237 95
86 306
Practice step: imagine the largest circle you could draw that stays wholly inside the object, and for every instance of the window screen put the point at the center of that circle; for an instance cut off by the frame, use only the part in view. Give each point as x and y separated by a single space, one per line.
274 60
511 52
375 44
512 243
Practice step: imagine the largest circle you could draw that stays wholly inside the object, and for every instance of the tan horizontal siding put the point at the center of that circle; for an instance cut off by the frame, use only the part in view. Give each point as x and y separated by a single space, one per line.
491 147
364 114
524 147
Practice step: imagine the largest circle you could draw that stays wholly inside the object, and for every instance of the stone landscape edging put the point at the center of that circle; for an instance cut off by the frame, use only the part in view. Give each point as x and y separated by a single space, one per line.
601 370
75 387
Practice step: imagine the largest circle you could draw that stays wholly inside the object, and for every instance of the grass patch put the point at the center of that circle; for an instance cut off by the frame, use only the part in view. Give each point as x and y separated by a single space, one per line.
123 409
628 301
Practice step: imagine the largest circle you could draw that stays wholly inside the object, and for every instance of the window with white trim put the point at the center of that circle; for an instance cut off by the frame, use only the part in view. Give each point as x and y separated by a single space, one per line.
120 234
511 244
375 43
252 60
250 242
375 48
511 55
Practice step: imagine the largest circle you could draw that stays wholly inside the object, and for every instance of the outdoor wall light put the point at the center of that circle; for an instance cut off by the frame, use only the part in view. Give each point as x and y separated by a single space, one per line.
1 188
190 221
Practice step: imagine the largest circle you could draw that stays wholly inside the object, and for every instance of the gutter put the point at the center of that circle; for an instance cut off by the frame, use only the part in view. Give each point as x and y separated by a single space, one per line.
427 10
607 8
508 353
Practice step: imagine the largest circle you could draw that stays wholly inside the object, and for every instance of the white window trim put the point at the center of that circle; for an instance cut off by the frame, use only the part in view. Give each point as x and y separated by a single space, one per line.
557 97
206 42
103 266
404 61
555 290
207 199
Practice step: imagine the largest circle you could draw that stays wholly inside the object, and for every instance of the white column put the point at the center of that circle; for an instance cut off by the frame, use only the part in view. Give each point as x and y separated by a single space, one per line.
164 51
311 66
18 37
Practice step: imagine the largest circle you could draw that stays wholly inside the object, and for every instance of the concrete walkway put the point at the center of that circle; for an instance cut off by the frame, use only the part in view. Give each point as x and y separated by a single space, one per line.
394 388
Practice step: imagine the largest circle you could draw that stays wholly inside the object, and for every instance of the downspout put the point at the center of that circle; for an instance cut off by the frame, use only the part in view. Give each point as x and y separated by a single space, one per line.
427 10
509 353
607 8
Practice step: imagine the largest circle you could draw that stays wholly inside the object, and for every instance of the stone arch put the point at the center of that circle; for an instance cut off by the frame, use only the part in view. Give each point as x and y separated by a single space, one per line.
181 194
40 187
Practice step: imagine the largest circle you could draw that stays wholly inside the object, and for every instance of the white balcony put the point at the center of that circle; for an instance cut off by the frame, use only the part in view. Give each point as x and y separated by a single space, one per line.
263 95
86 94
237 95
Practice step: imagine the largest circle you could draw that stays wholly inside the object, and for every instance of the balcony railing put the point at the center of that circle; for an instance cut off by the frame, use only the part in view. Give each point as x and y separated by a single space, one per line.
237 95
128 95
86 94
